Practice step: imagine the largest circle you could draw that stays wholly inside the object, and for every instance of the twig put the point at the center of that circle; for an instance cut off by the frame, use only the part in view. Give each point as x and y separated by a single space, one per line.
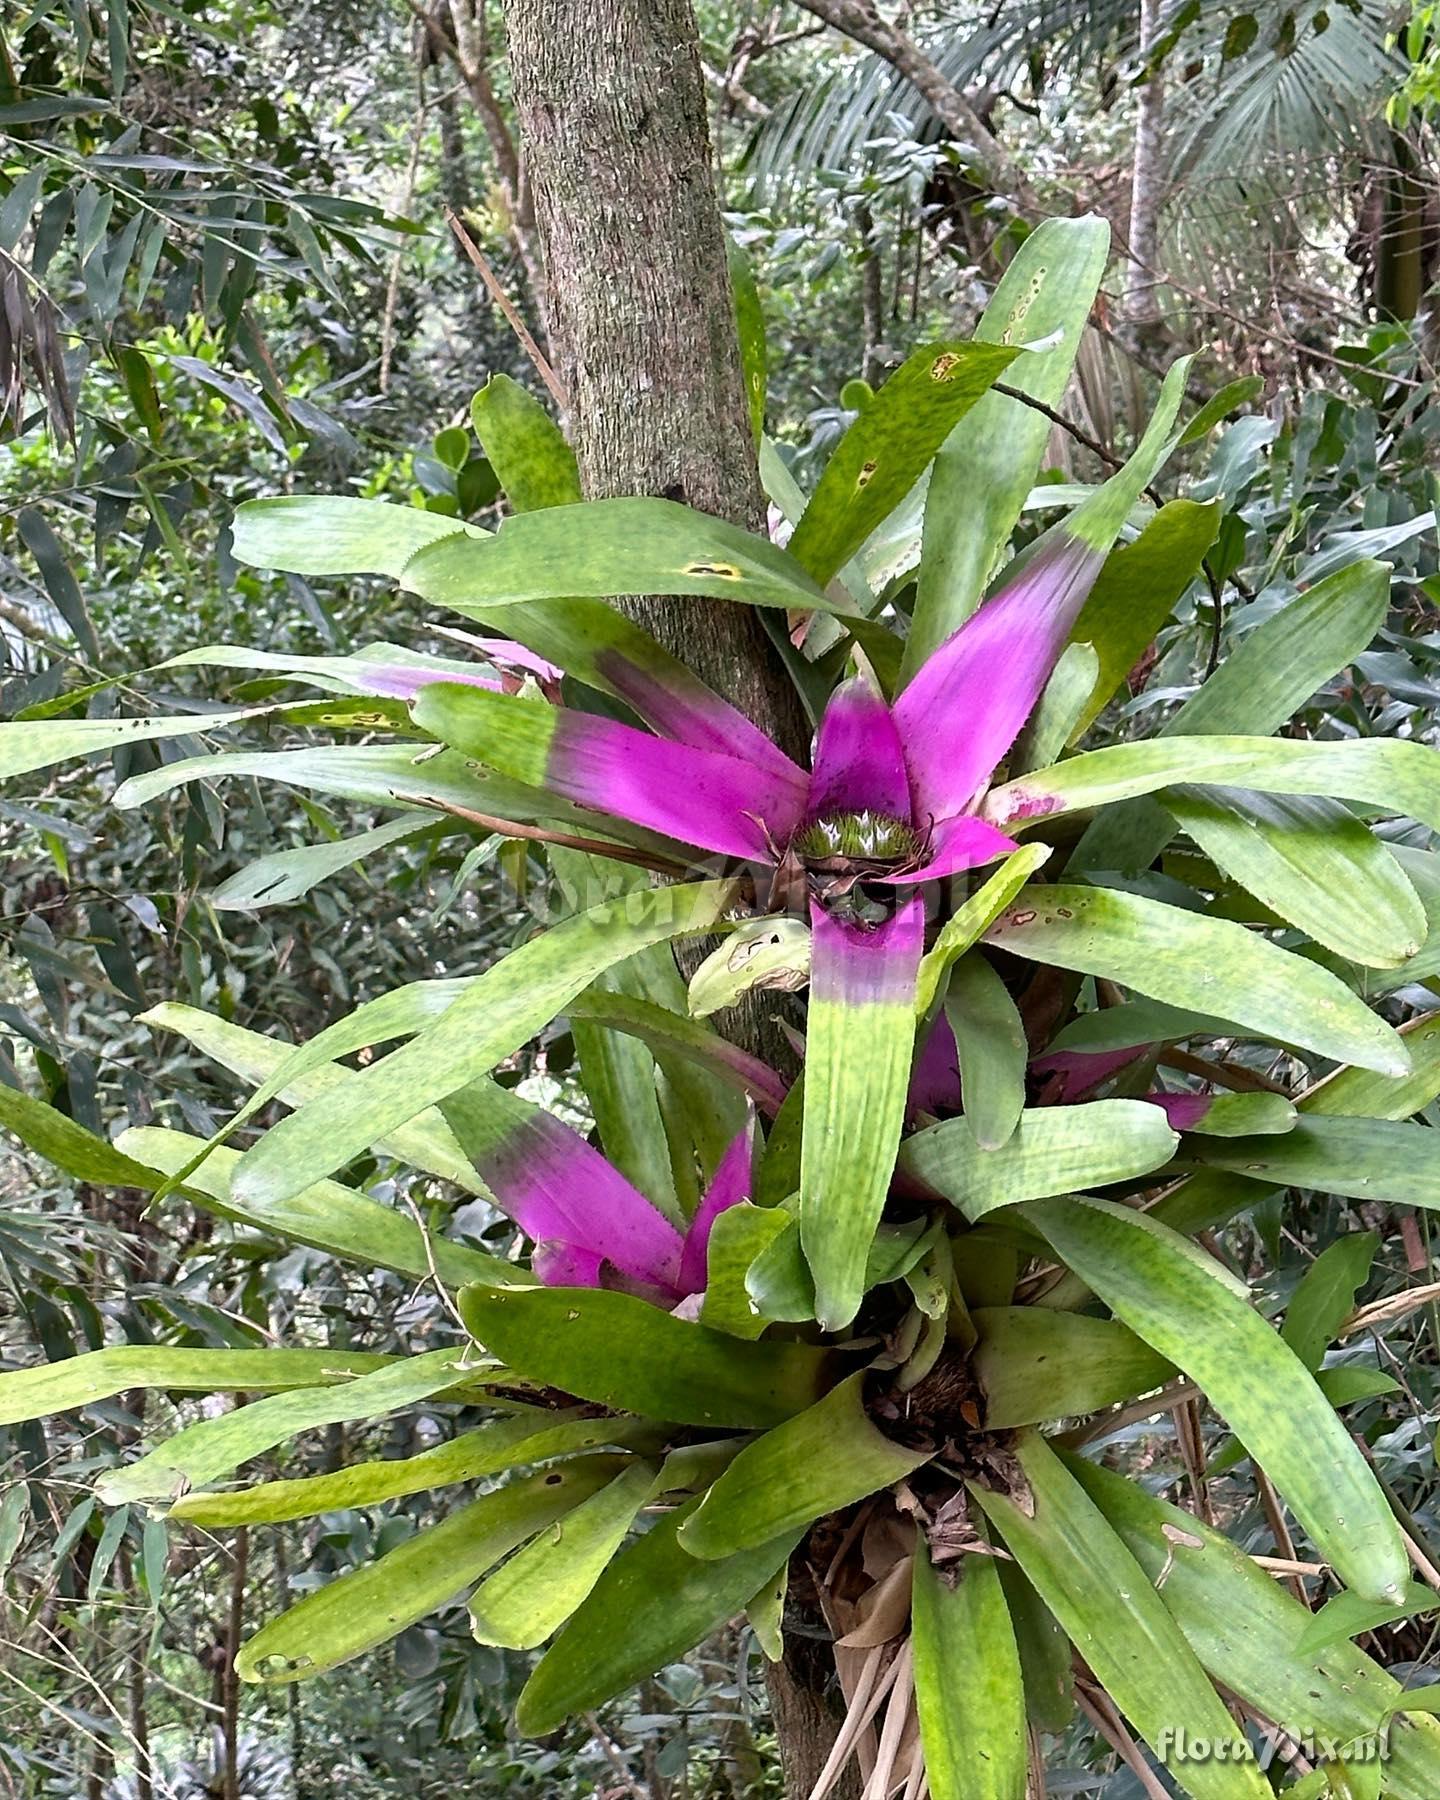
613 1756
642 859
1097 1709
1078 432
506 305
1280 1531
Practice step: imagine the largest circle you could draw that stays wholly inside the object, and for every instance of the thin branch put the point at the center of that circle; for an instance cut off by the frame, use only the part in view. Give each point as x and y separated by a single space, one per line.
506 305
642 859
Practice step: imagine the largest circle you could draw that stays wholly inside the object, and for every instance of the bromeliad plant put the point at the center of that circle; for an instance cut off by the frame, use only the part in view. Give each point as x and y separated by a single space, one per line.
854 1365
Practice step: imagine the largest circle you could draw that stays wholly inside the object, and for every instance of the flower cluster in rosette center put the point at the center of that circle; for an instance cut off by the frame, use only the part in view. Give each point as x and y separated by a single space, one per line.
862 839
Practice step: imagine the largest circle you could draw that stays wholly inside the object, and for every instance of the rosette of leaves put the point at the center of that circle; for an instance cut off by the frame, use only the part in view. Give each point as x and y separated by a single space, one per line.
846 1334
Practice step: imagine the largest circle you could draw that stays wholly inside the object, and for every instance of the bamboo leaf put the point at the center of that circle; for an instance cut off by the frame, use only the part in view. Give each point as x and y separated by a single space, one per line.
669 1601
1202 964
376 1602
1053 1150
1119 1624
1187 1309
536 1591
1325 1298
968 1690
815 1463
624 1353
1035 1363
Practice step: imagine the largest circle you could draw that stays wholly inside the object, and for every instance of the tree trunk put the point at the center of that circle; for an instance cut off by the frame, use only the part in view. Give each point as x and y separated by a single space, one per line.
861 20
610 99
1142 286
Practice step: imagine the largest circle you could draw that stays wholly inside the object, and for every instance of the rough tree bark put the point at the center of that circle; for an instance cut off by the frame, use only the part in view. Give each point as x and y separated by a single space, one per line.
862 21
1142 286
610 99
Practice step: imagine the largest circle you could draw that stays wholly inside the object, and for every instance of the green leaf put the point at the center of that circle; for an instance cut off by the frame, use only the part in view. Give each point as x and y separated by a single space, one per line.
990 1037
669 1601
739 1235
1212 1196
617 1070
1347 1615
968 1690
988 464
1035 1363
857 1074
210 1448
533 1435
14 1515
525 446
1206 965
1118 1623
1058 711
609 547
1219 406
763 953
765 1611
1046 1660
328 534
37 1392
1054 1149
326 1216
887 449
626 1354
369 1605
536 1591
821 1460
491 1019
750 326
105 1552
1325 1298
1350 1383
675 1038
60 583
1393 775
1263 680
1136 592
1363 1159
1243 1625
1313 863
966 925
1185 1306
